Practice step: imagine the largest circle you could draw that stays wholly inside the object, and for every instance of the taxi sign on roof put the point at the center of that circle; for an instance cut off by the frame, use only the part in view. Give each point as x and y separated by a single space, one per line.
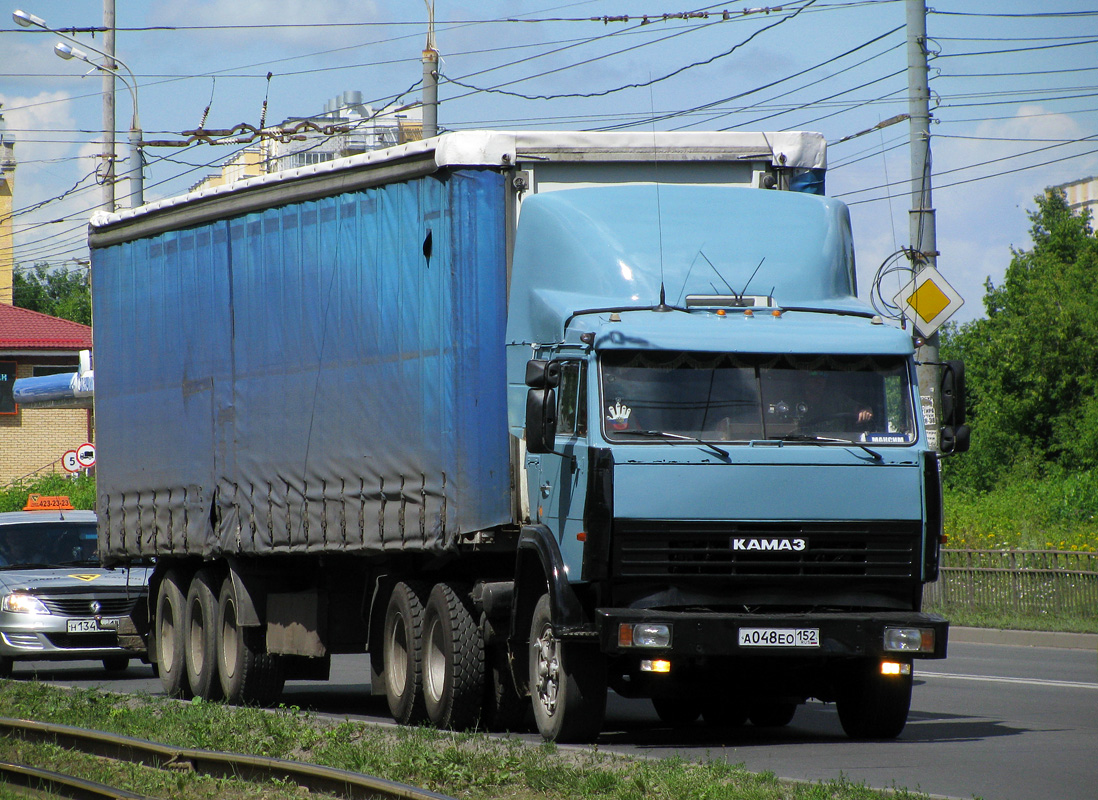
928 301
41 502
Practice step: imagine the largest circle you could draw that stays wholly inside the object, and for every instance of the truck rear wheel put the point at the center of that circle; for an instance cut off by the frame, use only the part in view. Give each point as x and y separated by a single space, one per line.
453 660
402 654
170 641
200 630
249 674
872 705
567 682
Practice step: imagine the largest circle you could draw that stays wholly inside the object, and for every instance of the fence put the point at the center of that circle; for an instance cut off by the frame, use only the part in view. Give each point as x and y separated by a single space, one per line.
1027 582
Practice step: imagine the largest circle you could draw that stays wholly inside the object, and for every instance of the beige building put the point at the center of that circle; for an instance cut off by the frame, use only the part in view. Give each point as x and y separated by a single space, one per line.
7 205
1082 194
33 440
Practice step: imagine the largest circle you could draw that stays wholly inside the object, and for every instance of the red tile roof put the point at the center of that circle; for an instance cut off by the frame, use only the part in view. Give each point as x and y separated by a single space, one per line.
21 329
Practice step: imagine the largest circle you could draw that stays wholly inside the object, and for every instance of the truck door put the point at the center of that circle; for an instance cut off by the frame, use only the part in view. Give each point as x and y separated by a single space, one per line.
558 480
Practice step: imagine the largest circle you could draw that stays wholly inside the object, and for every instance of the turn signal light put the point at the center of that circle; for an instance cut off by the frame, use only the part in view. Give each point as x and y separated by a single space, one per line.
895 668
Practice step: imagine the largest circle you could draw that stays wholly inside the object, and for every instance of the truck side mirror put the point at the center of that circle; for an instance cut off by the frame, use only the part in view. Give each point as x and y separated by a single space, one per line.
954 433
953 393
541 374
954 439
541 405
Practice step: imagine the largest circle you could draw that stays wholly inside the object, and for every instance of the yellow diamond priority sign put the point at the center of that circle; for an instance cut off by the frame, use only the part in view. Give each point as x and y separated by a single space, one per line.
928 301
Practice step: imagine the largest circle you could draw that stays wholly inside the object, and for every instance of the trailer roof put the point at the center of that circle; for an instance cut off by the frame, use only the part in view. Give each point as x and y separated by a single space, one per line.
491 149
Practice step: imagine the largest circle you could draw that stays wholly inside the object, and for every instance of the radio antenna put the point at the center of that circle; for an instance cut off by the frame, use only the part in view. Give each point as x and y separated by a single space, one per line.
656 175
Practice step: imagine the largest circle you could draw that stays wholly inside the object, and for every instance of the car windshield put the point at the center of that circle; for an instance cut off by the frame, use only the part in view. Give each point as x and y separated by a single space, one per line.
718 397
47 544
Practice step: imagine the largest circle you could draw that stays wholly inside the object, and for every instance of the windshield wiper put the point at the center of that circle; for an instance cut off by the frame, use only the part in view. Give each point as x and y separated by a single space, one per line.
677 436
28 565
808 437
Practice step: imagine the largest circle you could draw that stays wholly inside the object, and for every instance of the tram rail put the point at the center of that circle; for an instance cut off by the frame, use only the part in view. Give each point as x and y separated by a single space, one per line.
314 777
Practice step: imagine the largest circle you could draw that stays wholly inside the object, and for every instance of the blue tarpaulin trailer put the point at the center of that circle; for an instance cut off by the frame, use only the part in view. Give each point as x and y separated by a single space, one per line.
526 416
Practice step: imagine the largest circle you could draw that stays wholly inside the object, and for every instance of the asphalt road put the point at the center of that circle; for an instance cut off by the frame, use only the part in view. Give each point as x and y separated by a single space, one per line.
995 721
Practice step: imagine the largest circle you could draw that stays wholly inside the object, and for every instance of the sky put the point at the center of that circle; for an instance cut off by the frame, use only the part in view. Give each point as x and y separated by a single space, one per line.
1014 95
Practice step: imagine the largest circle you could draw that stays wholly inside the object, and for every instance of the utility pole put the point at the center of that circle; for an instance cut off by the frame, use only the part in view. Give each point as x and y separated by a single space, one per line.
430 77
924 244
108 107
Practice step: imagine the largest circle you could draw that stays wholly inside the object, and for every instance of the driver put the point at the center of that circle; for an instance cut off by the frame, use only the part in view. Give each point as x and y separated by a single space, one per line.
828 404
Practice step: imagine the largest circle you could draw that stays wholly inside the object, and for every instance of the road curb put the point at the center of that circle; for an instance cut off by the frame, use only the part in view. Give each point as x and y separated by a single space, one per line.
1068 641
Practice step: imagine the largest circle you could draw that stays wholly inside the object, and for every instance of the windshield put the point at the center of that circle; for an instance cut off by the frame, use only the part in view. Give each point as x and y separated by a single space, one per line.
47 544
719 397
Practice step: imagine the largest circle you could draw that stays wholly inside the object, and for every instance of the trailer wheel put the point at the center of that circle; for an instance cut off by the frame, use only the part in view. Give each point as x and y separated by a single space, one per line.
567 682
773 714
249 674
170 604
504 708
402 654
872 705
453 660
678 712
200 629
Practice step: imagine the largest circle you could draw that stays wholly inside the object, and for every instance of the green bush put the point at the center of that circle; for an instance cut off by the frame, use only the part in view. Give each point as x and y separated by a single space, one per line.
1057 511
80 489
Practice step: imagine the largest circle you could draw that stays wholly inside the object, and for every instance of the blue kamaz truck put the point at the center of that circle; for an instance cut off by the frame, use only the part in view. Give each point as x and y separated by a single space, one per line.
527 417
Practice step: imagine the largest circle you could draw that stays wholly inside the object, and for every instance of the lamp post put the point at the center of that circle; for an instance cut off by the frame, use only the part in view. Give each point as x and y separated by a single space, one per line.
137 182
109 70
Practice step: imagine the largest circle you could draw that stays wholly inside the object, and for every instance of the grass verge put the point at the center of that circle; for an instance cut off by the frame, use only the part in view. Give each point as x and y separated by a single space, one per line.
471 766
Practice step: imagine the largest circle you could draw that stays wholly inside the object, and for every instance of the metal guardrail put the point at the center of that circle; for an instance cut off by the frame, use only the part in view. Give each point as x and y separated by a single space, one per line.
1059 582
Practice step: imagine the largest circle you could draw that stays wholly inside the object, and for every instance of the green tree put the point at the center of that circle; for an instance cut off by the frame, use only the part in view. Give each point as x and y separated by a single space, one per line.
60 293
1032 364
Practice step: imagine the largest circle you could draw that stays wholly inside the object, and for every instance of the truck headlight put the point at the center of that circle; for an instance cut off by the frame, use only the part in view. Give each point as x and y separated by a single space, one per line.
20 603
909 640
644 634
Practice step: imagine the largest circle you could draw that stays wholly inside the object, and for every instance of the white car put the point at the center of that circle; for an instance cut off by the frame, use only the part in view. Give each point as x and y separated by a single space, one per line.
56 601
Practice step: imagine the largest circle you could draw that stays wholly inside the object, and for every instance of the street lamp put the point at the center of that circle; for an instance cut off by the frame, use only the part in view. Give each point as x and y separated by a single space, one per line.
137 183
137 189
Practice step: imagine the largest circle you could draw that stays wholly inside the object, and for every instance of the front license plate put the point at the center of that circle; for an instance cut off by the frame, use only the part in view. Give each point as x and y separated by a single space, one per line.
91 625
779 637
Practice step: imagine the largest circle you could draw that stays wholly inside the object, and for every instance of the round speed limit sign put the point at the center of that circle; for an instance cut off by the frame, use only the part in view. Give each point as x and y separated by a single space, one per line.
70 462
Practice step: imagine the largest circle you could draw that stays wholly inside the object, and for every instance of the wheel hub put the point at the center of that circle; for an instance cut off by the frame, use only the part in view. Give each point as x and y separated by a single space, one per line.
548 670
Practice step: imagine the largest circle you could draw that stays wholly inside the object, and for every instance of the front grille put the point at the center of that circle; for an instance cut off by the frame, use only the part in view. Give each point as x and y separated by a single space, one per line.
83 641
832 550
81 605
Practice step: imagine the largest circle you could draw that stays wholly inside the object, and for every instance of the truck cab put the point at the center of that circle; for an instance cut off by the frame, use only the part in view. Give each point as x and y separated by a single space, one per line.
725 460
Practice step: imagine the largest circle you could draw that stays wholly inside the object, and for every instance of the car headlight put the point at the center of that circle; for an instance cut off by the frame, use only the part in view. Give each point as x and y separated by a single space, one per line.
19 603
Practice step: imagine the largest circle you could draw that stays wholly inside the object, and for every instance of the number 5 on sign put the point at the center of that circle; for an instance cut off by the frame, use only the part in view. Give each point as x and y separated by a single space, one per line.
70 462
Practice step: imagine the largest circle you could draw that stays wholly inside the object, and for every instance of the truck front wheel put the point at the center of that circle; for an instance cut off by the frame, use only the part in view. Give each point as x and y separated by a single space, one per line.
453 660
200 628
567 682
872 705
249 674
169 629
402 654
